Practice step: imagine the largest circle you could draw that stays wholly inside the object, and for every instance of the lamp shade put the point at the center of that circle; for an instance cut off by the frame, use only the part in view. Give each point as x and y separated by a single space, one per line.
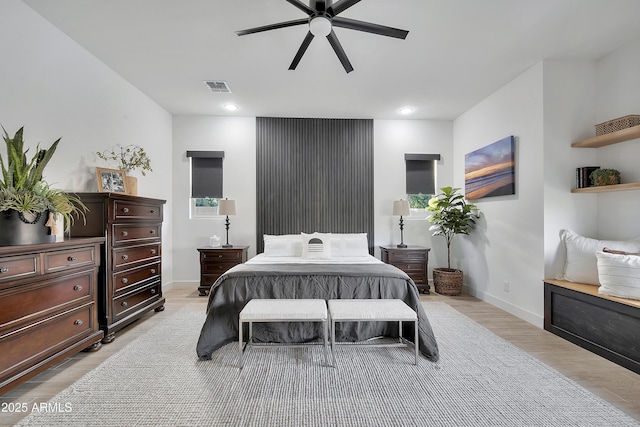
401 207
226 207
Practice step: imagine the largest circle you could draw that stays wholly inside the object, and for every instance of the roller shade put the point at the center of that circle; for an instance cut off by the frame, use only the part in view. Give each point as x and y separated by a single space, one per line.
420 173
206 173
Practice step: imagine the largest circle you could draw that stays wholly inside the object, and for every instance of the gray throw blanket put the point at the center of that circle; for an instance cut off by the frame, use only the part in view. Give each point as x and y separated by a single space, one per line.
244 282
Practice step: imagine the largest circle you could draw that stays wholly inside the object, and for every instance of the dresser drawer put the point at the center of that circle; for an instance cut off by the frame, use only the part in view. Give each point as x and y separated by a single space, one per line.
129 303
32 302
220 255
27 346
131 233
131 278
64 260
131 255
403 256
17 267
127 210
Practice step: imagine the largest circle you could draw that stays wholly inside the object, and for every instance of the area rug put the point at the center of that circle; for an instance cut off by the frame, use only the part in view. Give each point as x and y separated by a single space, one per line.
481 380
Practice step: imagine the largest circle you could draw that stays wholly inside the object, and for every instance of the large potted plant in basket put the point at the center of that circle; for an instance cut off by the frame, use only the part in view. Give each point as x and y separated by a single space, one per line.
451 215
28 205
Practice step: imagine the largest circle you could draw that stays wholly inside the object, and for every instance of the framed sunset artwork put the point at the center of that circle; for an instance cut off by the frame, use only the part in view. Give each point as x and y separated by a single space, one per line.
490 170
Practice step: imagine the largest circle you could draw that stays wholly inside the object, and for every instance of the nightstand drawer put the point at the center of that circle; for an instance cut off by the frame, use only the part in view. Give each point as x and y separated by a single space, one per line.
409 267
217 268
407 256
221 255
418 278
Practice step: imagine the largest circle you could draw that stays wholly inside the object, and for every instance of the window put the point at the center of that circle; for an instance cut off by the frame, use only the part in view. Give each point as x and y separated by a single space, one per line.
420 180
206 183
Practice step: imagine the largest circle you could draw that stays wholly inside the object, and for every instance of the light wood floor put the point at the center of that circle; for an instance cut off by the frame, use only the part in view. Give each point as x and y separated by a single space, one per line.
611 382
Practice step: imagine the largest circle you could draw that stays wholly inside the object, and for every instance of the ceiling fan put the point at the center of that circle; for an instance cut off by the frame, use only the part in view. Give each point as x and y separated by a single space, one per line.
322 17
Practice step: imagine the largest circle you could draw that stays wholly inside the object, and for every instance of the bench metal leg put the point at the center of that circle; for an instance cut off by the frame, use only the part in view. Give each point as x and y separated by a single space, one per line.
415 340
240 341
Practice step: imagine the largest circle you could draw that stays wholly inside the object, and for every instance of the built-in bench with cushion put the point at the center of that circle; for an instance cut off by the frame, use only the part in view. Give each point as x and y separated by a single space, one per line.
606 325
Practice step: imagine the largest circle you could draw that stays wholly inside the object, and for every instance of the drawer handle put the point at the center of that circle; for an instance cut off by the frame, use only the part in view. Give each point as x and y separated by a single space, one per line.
125 257
124 304
4 269
72 258
153 271
125 233
78 322
77 288
125 210
153 291
125 280
219 256
153 251
152 231
152 211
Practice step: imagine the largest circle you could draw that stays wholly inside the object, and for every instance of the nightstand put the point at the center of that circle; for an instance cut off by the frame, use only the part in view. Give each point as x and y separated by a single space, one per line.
215 261
413 260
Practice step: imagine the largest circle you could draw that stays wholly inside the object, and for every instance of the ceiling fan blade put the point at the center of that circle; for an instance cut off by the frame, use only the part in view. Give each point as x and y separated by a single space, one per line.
273 26
301 51
303 7
369 27
341 6
337 47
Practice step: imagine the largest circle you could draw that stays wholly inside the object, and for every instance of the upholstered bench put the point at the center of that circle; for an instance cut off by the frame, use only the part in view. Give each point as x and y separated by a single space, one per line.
282 310
372 310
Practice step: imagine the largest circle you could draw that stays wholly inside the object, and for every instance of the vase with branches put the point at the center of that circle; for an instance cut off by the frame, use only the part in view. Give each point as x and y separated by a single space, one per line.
128 158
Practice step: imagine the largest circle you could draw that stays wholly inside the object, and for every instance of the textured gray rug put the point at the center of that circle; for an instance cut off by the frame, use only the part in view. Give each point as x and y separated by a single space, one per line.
481 380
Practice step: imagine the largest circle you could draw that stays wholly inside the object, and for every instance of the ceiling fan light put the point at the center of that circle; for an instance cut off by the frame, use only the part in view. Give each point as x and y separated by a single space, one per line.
320 26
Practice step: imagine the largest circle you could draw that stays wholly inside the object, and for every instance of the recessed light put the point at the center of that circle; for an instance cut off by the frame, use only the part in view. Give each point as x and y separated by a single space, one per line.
406 110
231 107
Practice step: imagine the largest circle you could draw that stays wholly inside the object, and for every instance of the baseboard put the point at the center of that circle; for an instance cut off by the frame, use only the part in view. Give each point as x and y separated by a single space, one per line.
525 315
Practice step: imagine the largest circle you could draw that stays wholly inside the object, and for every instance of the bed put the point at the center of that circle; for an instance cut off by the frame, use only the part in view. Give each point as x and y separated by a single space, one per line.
325 266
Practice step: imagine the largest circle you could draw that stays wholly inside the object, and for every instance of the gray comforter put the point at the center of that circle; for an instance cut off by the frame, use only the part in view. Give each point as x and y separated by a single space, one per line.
240 284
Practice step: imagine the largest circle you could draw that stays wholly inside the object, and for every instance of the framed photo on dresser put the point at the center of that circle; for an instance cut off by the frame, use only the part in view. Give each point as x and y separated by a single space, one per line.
111 180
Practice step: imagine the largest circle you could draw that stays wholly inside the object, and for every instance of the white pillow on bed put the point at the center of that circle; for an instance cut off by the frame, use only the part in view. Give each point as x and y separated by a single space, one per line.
282 245
316 246
619 274
581 264
349 245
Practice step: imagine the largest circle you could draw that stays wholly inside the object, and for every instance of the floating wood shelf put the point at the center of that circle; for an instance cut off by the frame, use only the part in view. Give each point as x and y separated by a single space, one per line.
606 188
609 138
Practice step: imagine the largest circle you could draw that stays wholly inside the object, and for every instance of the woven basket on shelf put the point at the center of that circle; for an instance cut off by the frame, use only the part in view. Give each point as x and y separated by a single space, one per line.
620 123
447 281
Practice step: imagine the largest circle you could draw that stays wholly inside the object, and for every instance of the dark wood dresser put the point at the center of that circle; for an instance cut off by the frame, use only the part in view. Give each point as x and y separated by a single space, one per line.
215 261
413 260
130 281
48 306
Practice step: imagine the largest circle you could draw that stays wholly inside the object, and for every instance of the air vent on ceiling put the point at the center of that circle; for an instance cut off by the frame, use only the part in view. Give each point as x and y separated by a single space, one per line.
218 86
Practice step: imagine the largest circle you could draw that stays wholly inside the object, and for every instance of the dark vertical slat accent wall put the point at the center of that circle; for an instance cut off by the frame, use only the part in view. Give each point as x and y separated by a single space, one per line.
314 175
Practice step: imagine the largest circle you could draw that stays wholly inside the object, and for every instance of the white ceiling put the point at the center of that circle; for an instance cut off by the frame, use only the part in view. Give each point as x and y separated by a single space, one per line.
457 51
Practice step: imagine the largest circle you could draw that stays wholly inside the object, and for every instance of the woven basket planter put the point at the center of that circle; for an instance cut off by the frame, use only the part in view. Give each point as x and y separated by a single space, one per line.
617 124
447 281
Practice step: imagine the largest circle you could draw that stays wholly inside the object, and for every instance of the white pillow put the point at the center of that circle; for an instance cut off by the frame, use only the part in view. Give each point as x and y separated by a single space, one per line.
349 245
316 246
282 245
581 264
619 275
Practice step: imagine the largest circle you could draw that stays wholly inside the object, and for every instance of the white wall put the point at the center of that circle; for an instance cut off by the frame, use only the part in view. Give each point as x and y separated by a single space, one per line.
236 136
618 94
507 245
54 88
392 139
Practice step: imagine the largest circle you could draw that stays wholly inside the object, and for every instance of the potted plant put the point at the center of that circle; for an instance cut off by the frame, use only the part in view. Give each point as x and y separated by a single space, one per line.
28 205
604 176
451 215
128 158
